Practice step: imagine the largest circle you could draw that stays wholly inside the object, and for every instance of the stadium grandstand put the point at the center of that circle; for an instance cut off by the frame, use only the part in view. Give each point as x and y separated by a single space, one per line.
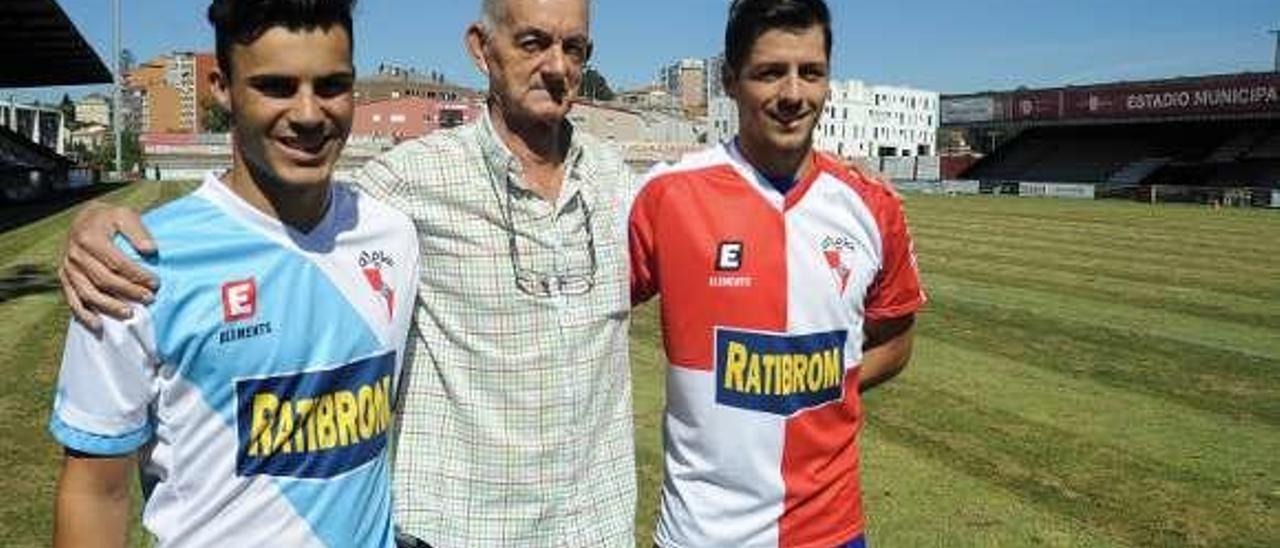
39 46
1208 139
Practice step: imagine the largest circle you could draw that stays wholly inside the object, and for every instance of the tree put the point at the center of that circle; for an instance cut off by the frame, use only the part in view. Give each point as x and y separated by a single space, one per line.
595 86
130 152
68 109
214 118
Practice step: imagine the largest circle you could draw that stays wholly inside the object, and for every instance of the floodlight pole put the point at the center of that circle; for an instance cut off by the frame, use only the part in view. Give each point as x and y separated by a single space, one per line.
118 77
1276 33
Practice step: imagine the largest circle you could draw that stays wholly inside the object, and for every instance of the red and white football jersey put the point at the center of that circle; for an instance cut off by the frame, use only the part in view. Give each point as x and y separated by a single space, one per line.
763 302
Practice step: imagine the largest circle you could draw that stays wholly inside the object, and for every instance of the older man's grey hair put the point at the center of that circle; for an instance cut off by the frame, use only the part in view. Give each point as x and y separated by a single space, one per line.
493 12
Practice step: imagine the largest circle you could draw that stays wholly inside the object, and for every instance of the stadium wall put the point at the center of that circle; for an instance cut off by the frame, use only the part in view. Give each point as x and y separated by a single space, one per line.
905 168
948 187
1058 190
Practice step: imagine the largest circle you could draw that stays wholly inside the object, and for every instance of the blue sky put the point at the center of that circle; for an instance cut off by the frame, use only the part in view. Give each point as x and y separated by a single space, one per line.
942 45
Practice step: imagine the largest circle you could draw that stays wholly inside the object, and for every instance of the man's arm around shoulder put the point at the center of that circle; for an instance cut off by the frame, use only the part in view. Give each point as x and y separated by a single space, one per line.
97 278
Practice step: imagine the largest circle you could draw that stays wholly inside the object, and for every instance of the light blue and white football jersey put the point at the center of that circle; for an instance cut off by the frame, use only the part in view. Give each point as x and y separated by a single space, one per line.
258 388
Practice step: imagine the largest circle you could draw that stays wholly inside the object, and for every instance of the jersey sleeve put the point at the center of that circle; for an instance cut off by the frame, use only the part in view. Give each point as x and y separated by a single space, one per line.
408 335
897 291
106 385
641 230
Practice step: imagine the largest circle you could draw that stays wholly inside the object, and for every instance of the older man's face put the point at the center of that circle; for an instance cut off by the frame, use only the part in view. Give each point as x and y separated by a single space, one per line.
535 58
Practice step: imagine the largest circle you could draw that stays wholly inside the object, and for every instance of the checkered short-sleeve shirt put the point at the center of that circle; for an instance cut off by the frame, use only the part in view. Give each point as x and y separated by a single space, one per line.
514 421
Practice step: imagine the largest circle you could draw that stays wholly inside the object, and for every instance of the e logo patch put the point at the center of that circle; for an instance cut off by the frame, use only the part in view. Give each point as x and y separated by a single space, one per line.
239 300
729 257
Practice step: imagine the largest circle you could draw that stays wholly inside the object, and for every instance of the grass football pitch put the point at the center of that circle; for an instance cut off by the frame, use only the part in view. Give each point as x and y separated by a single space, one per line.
1086 374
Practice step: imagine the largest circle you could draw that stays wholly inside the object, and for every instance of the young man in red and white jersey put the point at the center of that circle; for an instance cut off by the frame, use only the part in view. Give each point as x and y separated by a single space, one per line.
788 287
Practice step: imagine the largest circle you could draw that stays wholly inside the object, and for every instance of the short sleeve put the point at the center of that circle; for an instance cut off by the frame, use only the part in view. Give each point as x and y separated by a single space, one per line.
380 179
106 386
897 291
642 236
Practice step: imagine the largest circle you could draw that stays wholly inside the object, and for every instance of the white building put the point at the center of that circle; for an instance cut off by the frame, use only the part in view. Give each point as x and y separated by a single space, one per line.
182 77
722 119
661 127
94 108
863 120
715 78
859 121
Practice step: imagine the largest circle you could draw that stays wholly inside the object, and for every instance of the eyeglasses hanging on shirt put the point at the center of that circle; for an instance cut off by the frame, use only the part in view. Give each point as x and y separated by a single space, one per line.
539 283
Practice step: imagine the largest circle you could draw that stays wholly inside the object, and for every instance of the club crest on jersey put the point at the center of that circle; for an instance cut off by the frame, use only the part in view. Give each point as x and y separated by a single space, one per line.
778 373
839 252
372 263
317 424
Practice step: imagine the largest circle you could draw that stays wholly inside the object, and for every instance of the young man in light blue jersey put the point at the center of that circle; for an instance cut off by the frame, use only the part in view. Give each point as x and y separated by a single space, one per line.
254 393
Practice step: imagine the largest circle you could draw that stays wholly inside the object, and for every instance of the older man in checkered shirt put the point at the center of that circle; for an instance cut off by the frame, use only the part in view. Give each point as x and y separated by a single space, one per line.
515 429
515 414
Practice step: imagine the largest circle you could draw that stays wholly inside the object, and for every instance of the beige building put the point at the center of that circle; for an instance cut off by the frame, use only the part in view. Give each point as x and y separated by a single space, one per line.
156 102
651 98
609 123
392 82
687 80
93 108
91 136
169 92
627 126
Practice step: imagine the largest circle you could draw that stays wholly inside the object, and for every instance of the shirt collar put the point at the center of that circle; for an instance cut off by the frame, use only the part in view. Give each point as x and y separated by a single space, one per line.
499 159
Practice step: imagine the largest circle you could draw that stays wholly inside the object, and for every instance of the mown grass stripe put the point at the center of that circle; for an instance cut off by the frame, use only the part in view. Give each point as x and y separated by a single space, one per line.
1217 275
43 239
1202 301
1204 445
14 240
30 355
1130 220
1225 337
912 499
1143 501
1249 269
1230 383
648 374
1171 236
30 351
1185 255
40 244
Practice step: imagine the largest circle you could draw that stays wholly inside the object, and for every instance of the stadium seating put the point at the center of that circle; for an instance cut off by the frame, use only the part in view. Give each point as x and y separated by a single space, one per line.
28 170
1236 147
1129 155
1269 148
19 150
1136 172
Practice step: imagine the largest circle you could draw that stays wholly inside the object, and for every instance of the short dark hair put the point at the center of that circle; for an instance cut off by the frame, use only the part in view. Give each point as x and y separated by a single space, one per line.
244 21
749 19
